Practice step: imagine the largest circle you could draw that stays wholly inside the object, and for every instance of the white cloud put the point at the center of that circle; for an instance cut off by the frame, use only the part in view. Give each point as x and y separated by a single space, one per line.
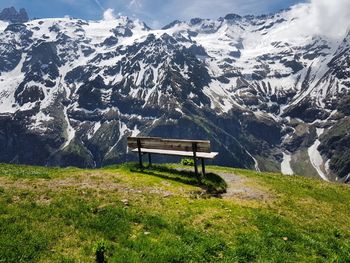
155 24
330 17
135 4
108 15
323 17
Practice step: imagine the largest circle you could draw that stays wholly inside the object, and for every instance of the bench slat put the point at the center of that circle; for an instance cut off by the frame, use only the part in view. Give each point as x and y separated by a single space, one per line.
203 155
162 139
169 144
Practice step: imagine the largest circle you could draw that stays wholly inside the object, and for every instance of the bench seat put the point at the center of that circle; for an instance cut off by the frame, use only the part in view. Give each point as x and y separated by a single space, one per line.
203 155
195 149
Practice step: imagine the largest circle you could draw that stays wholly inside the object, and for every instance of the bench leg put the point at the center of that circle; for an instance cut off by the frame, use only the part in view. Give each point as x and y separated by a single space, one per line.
203 167
140 160
139 151
149 160
194 149
195 167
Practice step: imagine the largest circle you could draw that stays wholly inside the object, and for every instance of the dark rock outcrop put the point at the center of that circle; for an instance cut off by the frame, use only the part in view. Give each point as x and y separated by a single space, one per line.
11 15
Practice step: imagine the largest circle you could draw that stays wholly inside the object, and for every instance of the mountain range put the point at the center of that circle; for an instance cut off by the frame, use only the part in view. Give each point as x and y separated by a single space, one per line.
268 95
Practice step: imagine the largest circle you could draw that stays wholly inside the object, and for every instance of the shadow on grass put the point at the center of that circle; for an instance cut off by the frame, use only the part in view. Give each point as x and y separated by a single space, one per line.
212 183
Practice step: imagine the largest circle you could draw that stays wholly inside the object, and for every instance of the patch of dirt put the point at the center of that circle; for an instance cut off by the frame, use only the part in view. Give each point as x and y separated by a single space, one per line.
237 188
86 181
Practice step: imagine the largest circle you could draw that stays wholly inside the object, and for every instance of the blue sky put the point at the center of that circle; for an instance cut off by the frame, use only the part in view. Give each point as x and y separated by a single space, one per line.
155 13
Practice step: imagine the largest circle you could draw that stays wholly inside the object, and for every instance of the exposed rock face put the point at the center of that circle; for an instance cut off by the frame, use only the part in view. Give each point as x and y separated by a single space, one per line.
11 15
71 91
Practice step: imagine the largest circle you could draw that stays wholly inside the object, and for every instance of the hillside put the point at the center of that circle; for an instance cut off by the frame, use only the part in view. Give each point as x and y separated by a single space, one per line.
266 92
164 215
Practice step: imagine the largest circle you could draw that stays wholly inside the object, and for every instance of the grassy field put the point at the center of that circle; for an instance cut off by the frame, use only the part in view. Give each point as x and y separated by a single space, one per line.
163 215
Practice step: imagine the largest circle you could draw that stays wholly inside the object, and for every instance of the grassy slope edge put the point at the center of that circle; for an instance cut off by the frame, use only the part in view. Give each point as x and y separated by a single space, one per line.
163 215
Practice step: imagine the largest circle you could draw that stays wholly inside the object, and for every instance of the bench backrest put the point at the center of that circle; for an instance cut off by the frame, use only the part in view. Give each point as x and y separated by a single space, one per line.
169 144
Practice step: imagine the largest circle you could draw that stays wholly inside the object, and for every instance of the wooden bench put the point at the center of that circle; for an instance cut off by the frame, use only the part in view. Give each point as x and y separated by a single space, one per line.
195 149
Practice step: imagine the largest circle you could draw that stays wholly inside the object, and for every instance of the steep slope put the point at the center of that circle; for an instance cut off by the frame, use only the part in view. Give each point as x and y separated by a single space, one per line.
260 90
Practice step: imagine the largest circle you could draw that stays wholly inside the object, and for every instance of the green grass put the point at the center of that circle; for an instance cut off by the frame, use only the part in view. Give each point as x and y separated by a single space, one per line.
20 171
160 214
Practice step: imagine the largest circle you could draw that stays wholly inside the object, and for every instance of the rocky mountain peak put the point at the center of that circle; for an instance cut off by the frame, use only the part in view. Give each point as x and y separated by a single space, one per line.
232 17
12 15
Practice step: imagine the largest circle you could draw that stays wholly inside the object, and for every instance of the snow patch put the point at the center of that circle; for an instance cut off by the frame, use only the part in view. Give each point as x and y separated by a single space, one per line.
40 121
109 15
9 82
95 128
316 158
69 130
122 130
256 164
3 25
285 165
135 131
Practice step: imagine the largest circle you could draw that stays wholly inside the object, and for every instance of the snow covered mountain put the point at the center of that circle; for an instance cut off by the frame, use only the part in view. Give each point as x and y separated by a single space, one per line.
269 95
